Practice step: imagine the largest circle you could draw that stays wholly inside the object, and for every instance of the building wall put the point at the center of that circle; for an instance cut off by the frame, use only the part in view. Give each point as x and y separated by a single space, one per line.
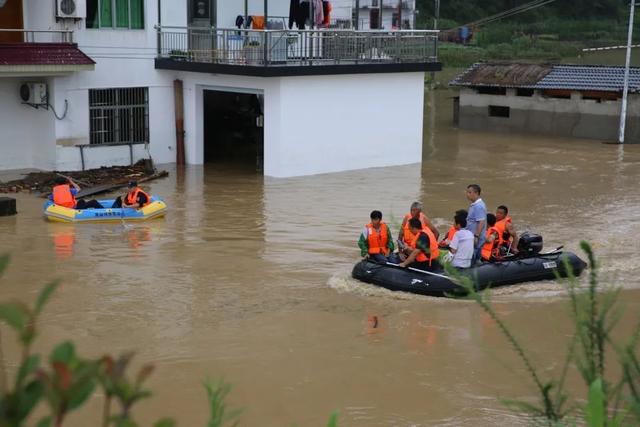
27 139
575 117
335 123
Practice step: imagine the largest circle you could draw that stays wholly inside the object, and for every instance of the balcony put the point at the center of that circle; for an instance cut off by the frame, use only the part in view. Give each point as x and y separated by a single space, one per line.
270 53
40 53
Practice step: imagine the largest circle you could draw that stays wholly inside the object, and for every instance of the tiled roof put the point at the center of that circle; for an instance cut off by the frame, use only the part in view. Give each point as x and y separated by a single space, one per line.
42 54
560 76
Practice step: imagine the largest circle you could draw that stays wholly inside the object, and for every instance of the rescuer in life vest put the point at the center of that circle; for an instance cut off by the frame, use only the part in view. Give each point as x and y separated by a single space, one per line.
376 240
423 249
507 231
64 194
135 198
405 236
493 240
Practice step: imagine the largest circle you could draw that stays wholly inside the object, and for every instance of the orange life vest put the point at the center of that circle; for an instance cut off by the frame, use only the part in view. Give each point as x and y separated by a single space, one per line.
132 197
450 234
434 252
378 240
62 196
501 226
406 233
491 248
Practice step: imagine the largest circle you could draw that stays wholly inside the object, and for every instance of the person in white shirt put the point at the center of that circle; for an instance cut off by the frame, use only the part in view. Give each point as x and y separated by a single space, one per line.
462 244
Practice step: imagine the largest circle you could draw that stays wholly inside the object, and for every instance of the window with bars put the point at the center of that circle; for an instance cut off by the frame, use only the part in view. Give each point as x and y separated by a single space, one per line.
119 115
115 14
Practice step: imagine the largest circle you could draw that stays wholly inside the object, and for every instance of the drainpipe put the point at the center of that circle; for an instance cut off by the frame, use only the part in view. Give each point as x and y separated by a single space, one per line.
625 92
357 23
380 17
159 31
179 113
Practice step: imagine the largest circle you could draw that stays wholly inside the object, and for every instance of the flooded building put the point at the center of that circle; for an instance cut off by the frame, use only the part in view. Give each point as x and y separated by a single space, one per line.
556 99
290 90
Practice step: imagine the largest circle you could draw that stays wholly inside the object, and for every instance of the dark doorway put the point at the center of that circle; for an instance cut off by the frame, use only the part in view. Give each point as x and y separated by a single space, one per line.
233 128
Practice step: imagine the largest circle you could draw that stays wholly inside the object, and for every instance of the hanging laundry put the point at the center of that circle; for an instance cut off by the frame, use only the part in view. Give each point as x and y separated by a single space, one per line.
294 10
303 14
239 21
326 9
258 22
318 14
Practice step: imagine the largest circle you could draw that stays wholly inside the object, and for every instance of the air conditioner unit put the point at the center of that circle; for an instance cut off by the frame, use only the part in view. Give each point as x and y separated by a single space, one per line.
74 9
34 94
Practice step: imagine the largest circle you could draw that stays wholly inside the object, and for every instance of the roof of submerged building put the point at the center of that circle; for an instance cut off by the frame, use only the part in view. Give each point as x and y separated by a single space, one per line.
605 78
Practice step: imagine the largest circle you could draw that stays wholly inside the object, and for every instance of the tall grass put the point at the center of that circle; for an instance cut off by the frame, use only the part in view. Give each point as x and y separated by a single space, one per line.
595 313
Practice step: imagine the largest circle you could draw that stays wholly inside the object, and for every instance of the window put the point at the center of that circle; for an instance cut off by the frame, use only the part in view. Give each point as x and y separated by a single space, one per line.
115 14
490 90
118 116
524 92
499 111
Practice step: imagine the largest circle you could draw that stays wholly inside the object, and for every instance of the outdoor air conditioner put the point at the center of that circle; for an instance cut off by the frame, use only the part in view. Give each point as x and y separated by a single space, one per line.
34 94
74 9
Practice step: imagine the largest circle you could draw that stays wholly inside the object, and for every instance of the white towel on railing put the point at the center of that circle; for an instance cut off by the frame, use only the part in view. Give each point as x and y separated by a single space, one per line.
318 13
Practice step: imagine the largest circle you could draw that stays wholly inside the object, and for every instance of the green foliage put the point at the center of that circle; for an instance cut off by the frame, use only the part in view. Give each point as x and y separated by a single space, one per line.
333 420
595 314
219 414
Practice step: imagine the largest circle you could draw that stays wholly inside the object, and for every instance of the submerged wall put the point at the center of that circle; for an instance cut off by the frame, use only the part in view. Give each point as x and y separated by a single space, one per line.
575 117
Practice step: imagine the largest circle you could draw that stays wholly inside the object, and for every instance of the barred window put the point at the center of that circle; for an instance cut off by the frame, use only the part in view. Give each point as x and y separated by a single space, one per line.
119 115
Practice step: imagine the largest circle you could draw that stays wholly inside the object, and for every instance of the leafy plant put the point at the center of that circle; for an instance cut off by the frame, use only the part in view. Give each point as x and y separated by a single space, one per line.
595 314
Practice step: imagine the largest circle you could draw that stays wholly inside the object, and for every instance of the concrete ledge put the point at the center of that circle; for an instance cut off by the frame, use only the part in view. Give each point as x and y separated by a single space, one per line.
295 70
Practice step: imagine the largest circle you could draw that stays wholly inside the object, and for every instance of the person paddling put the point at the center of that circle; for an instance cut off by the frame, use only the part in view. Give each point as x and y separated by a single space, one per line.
135 197
64 194
376 241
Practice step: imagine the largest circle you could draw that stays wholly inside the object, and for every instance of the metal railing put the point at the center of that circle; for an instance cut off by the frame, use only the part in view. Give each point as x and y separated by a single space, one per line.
296 47
36 36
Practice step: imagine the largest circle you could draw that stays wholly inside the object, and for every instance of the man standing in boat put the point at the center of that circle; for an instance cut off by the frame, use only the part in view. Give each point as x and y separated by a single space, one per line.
476 219
405 236
376 240
424 248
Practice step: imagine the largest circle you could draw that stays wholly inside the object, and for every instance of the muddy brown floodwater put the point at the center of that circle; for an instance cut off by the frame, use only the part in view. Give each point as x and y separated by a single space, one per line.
248 278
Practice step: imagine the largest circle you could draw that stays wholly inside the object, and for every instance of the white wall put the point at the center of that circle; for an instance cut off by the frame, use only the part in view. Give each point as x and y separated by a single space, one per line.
27 138
68 158
325 124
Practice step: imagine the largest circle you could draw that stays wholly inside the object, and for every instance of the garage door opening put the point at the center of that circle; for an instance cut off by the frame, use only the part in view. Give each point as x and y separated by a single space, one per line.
234 128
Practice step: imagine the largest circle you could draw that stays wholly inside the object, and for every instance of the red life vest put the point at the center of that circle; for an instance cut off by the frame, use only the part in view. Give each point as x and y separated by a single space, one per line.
406 233
132 197
62 196
378 240
434 252
501 226
491 248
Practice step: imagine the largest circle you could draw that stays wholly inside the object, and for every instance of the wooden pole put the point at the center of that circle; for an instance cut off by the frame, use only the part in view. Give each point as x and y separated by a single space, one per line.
178 99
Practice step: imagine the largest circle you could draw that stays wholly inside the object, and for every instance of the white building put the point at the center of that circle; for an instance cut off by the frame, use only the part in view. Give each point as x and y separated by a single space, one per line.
166 71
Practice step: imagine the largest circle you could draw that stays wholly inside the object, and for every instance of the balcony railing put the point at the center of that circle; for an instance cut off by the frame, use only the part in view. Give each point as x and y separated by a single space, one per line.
296 47
36 36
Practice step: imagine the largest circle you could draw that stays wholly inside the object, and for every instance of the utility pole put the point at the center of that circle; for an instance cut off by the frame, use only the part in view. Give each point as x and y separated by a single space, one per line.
625 92
436 14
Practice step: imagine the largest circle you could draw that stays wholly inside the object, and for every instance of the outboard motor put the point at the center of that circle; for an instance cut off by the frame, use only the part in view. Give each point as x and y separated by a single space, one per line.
530 244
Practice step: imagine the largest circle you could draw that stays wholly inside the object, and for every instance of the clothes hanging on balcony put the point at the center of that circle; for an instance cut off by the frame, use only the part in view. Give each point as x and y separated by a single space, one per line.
257 22
239 21
318 13
298 13
326 9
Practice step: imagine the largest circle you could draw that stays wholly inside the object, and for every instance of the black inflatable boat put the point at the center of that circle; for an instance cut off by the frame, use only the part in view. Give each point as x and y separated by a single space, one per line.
542 266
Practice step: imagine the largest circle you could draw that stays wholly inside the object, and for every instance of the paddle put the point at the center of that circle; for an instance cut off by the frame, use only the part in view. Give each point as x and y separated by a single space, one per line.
420 271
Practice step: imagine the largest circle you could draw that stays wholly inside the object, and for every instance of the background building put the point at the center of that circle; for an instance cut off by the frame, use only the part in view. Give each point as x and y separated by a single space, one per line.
555 99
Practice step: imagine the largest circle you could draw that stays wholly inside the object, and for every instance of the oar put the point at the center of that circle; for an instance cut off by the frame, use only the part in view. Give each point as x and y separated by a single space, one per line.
420 271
